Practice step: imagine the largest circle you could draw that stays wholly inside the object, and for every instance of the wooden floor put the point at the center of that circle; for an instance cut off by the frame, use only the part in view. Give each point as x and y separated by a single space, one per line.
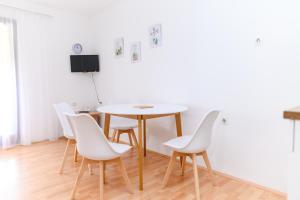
32 173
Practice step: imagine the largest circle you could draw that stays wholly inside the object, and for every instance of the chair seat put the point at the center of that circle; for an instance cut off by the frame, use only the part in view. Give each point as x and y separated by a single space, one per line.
69 137
120 148
179 142
123 125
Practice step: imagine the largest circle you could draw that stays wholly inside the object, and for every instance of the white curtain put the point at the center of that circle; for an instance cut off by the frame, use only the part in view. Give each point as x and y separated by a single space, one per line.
33 61
8 85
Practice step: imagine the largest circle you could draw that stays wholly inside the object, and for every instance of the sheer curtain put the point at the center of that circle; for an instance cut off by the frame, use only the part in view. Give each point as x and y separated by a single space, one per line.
26 112
34 63
8 85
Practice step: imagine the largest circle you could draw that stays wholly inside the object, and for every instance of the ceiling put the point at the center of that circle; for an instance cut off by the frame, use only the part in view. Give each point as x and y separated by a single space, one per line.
83 7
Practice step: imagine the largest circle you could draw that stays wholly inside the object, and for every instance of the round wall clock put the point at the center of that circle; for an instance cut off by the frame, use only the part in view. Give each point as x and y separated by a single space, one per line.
77 48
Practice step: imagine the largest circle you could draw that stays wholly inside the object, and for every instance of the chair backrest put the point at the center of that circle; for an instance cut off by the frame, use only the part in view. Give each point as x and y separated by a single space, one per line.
203 134
60 109
90 139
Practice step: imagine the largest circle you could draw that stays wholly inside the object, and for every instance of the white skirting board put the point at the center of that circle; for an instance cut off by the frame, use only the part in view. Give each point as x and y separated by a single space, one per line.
294 176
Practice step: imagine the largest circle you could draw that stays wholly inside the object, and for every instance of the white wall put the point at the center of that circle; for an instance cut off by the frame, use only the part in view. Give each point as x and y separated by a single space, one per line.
210 59
66 86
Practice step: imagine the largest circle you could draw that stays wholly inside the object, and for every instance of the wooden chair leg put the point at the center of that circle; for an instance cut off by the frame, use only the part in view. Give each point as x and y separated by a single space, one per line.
114 136
75 153
90 169
118 136
80 173
134 137
125 176
65 156
207 163
145 137
183 165
169 170
101 168
130 138
195 168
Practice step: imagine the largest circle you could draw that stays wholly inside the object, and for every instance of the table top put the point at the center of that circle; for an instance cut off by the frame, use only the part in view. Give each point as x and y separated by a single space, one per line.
292 113
142 109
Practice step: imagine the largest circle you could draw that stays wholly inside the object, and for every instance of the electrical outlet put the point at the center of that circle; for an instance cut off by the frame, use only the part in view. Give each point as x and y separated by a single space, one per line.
225 120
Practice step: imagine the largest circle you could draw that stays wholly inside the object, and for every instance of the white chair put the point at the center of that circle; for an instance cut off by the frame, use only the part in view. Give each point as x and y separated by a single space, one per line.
67 131
93 146
124 126
192 146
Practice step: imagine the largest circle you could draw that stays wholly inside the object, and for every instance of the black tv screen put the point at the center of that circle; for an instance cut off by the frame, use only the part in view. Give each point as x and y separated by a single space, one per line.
84 63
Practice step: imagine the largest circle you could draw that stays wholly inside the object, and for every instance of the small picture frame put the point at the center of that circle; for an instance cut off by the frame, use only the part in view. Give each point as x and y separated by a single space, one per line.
135 52
119 47
155 35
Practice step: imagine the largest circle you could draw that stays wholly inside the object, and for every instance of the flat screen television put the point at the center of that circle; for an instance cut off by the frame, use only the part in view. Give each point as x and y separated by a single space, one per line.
84 63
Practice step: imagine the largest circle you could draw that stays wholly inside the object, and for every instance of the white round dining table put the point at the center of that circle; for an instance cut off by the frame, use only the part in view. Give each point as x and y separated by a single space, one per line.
141 113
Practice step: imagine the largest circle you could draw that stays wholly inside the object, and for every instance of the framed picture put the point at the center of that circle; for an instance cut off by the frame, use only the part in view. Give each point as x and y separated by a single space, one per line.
119 47
135 52
155 34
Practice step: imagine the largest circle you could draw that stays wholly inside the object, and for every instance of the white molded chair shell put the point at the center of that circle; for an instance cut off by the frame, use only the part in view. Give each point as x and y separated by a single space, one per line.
91 141
200 140
60 109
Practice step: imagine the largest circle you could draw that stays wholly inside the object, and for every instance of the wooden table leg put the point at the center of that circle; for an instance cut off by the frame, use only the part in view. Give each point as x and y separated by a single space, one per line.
140 152
178 124
106 125
144 136
179 130
106 133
